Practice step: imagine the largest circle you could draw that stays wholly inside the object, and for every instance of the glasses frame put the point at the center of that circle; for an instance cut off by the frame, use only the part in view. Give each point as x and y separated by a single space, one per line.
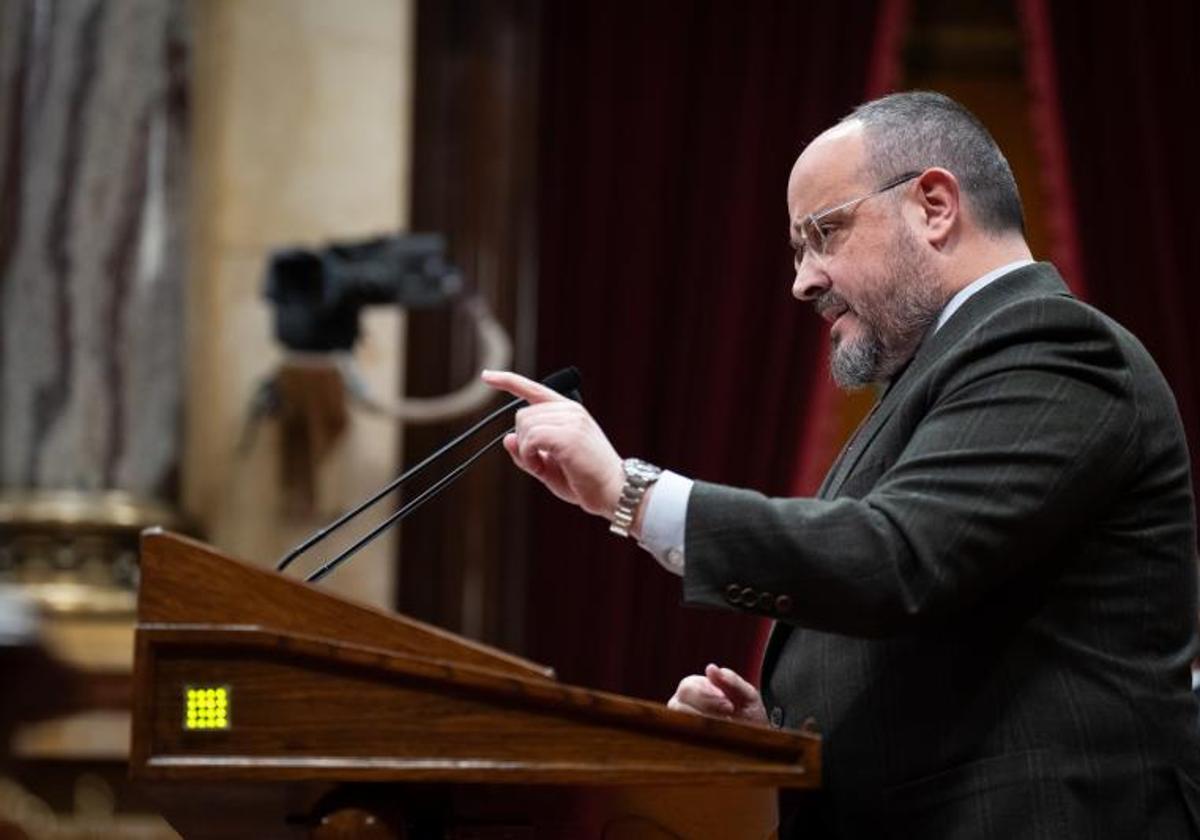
809 228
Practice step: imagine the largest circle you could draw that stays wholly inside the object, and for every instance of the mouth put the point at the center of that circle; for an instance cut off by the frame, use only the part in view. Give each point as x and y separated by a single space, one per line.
832 310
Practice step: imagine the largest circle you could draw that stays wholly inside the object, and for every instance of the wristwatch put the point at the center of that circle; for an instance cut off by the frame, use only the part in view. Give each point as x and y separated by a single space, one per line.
638 477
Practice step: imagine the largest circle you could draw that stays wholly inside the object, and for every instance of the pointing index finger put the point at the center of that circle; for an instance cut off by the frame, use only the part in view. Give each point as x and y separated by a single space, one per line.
519 386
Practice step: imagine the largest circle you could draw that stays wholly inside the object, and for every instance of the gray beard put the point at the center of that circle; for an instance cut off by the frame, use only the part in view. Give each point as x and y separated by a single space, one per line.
855 364
895 315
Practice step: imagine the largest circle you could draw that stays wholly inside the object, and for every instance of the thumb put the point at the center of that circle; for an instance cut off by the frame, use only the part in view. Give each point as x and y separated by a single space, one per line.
738 690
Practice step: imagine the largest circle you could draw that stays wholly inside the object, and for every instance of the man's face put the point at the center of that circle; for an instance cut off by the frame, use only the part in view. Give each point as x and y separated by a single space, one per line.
873 281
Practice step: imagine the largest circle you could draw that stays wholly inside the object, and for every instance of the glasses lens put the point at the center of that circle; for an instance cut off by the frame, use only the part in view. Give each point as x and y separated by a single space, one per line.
814 239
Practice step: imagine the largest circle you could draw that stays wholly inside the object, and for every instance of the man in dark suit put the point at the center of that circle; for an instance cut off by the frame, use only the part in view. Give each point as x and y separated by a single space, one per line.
988 610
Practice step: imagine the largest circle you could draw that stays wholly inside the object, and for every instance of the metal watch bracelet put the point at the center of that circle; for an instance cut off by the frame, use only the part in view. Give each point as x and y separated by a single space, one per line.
639 476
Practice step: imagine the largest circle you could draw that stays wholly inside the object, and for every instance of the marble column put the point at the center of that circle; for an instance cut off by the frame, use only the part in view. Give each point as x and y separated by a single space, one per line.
93 163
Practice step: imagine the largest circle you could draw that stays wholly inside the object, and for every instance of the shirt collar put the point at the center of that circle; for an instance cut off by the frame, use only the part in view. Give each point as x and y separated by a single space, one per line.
966 291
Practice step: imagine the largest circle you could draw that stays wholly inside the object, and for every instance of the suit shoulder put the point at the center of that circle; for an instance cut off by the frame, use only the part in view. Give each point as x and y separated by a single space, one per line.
1045 311
1062 321
1044 329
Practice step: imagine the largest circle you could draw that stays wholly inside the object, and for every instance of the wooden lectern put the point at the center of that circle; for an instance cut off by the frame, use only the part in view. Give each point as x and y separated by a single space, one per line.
265 707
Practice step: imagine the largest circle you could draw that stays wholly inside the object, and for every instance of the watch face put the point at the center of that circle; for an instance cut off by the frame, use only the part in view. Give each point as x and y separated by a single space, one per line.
640 471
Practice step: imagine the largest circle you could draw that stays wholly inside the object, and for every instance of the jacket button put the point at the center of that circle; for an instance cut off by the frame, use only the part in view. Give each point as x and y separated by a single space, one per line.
783 604
675 558
765 600
776 717
733 593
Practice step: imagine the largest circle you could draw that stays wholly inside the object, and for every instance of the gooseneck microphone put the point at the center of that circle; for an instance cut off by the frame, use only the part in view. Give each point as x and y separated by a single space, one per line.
565 382
426 494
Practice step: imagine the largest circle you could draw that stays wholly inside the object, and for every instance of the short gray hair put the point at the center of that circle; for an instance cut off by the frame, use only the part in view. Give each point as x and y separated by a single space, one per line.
912 131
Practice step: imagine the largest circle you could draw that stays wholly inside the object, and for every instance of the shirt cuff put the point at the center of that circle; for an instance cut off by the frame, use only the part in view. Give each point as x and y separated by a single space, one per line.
664 520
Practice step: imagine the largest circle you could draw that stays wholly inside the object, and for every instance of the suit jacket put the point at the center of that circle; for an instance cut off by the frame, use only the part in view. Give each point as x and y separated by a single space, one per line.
989 610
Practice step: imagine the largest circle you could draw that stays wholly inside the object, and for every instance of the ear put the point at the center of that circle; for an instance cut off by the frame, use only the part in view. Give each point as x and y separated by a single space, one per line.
939 205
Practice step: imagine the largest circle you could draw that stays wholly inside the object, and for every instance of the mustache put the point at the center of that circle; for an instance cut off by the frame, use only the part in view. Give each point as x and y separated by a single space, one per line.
830 301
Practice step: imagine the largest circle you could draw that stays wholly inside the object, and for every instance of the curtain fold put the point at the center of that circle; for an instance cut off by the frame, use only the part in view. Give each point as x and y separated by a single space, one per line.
667 136
1046 119
1127 74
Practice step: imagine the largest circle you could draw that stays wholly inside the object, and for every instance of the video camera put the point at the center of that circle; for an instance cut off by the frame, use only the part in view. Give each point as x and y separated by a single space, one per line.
318 293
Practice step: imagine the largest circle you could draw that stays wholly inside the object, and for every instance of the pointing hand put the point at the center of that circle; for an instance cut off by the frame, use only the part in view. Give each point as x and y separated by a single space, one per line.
558 442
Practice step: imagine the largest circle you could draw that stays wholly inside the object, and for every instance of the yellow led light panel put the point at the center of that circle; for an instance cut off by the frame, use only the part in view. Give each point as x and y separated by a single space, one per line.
205 707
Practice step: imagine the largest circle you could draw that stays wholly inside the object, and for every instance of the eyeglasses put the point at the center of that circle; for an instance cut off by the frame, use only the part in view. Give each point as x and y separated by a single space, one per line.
815 233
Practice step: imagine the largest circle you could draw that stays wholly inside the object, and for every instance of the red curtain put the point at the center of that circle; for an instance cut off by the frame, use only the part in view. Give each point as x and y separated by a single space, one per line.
667 137
1120 81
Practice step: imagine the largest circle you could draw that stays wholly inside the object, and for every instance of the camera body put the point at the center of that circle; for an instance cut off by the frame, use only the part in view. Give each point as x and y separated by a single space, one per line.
318 294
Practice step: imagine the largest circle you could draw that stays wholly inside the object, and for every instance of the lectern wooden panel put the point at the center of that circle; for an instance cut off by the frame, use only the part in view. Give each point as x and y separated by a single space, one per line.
302 713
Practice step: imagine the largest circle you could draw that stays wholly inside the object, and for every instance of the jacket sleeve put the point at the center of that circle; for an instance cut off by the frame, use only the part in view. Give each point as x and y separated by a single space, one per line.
1029 424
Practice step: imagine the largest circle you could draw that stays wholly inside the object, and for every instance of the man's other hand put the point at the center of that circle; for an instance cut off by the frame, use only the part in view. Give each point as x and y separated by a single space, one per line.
719 692
557 442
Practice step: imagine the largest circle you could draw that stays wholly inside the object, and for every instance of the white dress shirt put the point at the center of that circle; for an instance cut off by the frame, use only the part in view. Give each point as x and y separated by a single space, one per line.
665 518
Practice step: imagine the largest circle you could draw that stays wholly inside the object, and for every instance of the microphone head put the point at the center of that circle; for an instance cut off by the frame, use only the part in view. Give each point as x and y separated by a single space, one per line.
565 382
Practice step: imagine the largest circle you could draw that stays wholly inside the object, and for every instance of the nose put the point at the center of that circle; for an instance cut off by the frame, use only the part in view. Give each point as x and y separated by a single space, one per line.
810 281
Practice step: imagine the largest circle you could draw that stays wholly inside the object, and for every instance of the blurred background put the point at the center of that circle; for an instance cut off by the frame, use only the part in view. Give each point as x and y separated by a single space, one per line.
606 179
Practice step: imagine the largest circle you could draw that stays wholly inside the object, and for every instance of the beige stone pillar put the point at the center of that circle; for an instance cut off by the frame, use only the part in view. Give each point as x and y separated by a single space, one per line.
302 113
